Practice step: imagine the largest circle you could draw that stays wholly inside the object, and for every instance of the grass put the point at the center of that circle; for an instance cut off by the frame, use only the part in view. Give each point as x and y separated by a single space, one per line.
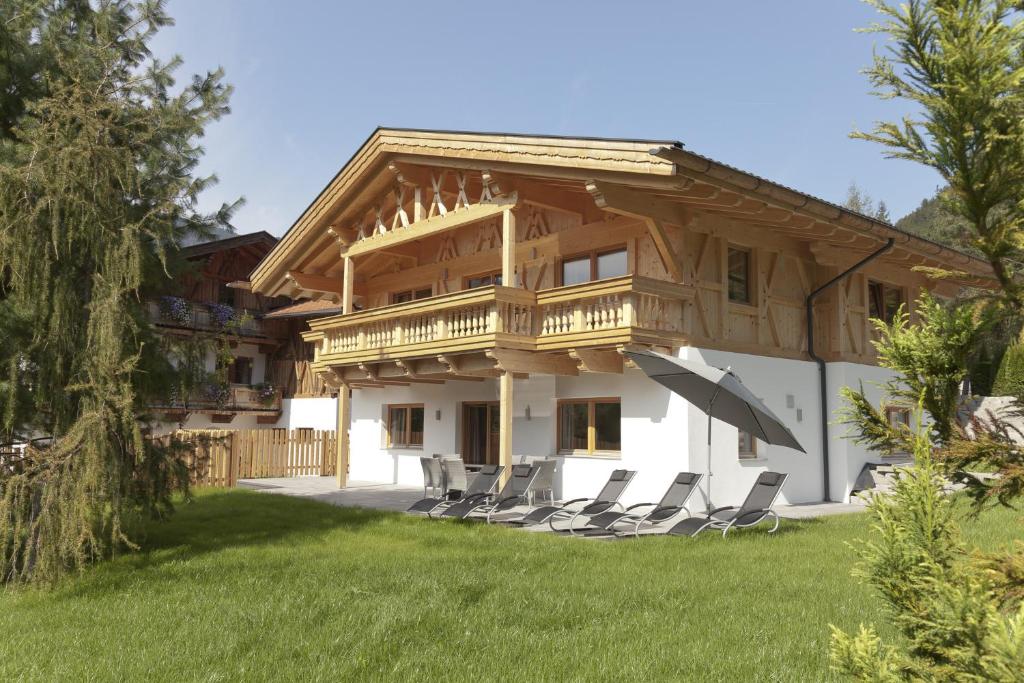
248 586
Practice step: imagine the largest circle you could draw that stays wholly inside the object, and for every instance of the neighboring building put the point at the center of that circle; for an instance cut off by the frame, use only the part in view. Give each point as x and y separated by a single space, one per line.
488 284
270 365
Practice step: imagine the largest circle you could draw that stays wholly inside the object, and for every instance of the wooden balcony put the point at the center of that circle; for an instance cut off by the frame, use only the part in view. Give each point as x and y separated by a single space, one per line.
238 399
190 317
605 313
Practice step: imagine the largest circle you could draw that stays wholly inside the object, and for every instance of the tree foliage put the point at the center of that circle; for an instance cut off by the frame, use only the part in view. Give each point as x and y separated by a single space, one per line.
860 201
958 612
961 62
97 188
958 616
929 362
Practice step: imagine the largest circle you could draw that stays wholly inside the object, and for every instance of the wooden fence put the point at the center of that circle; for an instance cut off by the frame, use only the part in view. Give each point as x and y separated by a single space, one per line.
220 457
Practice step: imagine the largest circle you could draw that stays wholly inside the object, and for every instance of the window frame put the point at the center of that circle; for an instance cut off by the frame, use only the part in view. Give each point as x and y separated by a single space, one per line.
234 366
886 287
492 274
591 404
389 441
749 251
750 454
592 255
412 292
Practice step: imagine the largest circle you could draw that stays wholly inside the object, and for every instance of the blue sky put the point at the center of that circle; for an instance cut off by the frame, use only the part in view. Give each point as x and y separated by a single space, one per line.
771 87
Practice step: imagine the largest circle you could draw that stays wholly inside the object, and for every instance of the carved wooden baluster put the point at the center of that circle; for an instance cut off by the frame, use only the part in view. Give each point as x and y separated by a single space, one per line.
401 217
461 200
437 206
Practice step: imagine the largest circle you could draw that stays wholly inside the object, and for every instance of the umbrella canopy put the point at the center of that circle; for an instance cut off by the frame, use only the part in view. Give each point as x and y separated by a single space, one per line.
721 395
733 402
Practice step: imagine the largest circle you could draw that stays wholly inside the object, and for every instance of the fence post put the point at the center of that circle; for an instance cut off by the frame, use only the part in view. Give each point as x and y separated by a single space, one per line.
233 460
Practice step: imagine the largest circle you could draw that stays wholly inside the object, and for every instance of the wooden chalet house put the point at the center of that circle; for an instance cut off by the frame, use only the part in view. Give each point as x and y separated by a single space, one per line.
488 284
271 362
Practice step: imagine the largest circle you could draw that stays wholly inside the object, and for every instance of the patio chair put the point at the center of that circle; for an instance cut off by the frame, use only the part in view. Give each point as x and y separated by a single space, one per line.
432 477
482 484
513 493
668 508
453 474
545 482
755 509
605 501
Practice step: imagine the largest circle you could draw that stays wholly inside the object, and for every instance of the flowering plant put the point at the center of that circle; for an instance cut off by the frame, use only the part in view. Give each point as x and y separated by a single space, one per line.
175 309
221 314
217 393
266 393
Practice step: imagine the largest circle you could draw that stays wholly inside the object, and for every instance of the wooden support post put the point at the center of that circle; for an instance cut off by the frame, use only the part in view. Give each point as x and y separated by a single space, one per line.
341 440
505 426
508 248
346 282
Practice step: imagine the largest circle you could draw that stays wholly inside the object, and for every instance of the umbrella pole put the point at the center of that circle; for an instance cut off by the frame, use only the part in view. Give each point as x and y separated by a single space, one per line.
711 407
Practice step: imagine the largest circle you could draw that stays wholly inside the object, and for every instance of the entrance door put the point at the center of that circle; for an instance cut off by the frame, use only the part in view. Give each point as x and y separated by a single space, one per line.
480 432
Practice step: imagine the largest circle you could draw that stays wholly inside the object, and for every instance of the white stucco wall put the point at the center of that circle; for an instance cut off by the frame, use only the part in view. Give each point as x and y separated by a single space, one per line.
661 433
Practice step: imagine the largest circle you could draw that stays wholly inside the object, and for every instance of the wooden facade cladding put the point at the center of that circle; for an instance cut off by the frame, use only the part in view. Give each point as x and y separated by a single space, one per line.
419 213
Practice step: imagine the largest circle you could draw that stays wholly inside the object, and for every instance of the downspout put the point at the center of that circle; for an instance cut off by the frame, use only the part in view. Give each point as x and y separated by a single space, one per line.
822 368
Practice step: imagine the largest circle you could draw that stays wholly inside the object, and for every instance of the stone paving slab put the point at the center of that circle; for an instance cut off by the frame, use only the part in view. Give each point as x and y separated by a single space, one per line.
399 498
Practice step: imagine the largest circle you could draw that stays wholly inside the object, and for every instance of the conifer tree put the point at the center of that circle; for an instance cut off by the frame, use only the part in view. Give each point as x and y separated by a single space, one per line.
959 613
98 151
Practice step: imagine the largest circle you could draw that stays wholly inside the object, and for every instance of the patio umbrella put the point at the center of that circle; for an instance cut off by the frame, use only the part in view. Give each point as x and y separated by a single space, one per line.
720 394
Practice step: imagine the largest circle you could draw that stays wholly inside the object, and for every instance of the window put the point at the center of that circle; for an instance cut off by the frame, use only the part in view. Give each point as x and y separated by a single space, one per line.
739 275
405 426
410 295
590 425
594 266
884 301
226 295
483 280
747 446
898 417
240 371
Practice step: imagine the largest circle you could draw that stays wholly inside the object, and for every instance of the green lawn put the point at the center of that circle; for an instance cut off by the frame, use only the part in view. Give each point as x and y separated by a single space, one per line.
242 585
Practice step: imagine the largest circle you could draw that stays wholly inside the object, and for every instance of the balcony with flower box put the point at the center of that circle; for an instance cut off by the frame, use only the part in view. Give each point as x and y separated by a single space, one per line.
179 316
224 402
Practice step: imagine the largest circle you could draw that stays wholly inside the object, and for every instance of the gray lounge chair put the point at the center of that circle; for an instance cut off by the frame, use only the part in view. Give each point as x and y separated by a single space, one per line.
606 500
635 516
483 484
755 509
515 492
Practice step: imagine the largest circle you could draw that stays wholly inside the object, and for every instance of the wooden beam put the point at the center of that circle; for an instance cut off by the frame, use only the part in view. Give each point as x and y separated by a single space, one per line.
347 280
669 258
628 202
316 283
344 418
469 365
597 360
435 225
508 248
511 360
505 405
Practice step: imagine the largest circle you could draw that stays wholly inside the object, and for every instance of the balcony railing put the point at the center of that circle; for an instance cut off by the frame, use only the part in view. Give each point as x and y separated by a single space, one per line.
187 315
235 398
618 310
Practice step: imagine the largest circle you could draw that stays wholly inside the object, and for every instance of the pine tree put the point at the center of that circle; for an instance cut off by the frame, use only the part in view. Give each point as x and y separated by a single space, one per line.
97 188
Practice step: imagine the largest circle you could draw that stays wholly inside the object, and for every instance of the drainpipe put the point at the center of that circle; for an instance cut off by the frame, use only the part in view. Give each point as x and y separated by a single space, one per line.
822 368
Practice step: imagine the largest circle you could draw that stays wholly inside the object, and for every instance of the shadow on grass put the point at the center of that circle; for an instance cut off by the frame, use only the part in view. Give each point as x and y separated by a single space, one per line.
215 521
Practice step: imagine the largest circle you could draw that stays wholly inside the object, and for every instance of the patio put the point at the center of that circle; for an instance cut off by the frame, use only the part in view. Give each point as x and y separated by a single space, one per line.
399 498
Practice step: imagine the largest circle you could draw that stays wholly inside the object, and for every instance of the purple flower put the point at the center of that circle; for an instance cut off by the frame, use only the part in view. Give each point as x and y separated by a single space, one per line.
221 314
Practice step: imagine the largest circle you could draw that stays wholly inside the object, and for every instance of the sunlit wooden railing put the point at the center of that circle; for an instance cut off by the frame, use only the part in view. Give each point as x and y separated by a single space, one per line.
595 309
602 312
